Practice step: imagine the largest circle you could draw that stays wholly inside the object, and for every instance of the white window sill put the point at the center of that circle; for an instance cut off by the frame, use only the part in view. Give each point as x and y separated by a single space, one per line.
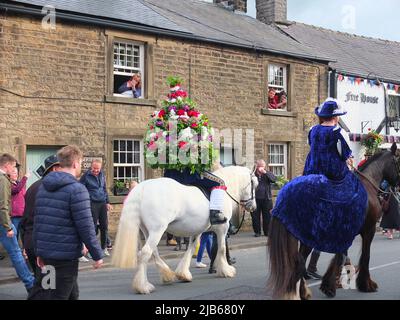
128 100
278 113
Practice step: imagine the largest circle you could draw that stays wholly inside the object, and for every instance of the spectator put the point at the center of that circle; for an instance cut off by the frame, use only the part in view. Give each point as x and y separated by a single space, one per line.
7 231
178 246
132 87
263 198
17 199
50 164
63 223
312 271
170 240
95 182
276 101
390 207
205 243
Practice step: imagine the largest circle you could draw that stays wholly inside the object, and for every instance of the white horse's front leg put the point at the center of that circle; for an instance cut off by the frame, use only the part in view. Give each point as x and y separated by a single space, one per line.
182 271
222 265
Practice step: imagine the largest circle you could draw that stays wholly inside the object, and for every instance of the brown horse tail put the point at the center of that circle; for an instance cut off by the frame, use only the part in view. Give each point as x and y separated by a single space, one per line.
284 261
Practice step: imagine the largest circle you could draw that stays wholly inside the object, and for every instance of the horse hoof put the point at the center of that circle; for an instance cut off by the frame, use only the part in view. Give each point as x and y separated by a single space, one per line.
185 277
146 289
227 272
369 286
329 291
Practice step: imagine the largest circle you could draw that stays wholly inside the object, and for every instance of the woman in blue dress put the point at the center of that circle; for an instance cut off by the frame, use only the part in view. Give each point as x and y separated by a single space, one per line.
324 208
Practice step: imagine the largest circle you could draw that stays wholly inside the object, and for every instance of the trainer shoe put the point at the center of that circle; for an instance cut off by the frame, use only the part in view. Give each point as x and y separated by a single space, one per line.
106 253
201 265
83 259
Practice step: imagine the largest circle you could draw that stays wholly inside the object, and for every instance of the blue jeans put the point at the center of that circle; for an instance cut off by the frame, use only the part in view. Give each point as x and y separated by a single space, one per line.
205 243
18 261
16 221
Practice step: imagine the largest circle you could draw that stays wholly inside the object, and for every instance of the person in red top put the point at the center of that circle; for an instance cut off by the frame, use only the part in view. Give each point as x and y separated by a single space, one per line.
274 101
18 190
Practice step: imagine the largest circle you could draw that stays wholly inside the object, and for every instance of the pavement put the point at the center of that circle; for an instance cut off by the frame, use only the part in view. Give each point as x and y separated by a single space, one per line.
242 240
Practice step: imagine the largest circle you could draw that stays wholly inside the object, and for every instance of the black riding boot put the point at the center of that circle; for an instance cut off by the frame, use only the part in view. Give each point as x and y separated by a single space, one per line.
217 217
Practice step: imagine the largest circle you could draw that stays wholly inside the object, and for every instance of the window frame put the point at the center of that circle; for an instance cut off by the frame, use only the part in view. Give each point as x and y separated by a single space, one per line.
141 69
233 152
286 85
285 164
141 165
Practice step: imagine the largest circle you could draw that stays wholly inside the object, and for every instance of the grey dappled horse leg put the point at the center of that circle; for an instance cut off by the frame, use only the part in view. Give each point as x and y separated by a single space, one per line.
140 281
221 264
182 270
328 285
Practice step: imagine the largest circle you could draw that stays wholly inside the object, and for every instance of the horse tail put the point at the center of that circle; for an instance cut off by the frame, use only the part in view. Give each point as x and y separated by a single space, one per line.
125 249
283 260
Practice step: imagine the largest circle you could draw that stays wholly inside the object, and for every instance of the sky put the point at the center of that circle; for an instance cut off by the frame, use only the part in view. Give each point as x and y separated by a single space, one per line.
371 18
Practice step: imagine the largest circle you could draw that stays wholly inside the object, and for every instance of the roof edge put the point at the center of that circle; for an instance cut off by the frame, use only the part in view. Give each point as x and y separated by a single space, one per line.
108 22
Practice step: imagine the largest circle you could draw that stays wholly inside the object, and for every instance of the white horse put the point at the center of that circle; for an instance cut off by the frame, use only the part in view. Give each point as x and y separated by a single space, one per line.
160 205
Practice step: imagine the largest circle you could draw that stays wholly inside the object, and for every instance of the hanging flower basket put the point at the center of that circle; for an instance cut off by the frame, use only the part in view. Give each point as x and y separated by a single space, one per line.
371 142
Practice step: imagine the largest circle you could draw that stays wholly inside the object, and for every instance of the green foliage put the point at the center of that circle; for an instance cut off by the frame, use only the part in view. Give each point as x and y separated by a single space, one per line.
281 181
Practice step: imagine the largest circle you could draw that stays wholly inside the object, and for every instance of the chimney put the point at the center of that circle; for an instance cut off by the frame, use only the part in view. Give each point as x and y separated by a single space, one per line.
235 5
272 11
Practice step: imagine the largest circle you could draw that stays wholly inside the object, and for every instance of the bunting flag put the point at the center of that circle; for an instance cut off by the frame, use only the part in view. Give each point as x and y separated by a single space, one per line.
371 82
359 80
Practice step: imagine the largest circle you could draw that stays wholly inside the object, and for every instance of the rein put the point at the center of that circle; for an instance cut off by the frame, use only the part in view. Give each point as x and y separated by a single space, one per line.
369 180
239 202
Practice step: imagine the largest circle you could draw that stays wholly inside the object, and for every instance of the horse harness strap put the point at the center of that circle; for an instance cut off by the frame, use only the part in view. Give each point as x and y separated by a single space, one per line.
369 180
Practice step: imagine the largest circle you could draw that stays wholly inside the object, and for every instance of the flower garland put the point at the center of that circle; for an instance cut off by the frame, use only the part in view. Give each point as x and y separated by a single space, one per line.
179 136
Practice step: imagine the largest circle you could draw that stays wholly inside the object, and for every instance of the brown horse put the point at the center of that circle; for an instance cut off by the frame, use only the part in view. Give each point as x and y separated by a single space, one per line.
287 261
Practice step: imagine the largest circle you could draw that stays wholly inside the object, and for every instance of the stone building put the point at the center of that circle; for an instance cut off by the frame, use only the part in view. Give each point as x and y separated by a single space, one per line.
63 61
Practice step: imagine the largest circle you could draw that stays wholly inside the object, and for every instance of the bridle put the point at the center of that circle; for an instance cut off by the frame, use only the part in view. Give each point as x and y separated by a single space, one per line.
397 166
243 202
239 202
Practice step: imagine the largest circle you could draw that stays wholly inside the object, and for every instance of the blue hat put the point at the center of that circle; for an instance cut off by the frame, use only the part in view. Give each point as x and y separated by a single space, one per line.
330 108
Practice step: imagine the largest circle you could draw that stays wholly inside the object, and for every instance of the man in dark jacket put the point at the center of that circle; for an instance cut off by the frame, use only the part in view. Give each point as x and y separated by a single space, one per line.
95 183
50 164
263 198
63 222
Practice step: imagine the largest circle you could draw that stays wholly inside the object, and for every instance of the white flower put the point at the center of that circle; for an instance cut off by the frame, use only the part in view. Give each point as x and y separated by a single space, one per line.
176 88
186 134
172 112
152 135
174 117
172 100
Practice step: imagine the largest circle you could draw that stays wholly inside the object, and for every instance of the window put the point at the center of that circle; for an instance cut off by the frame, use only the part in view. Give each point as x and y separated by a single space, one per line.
128 59
277 159
394 105
277 77
128 160
227 156
277 82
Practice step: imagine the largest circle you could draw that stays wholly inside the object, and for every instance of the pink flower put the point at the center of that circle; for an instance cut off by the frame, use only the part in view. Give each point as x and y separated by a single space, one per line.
182 144
194 125
152 146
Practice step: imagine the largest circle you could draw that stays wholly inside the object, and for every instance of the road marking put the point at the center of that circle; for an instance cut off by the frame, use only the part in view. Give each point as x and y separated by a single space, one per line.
370 269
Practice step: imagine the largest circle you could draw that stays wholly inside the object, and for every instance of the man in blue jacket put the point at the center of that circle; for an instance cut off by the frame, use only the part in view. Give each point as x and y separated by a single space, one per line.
95 181
63 223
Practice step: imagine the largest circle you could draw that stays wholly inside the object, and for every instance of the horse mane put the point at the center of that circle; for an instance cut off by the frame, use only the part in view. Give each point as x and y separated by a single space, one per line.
375 157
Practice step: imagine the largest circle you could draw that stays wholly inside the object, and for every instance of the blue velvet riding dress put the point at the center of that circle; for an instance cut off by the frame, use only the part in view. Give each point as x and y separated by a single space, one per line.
325 208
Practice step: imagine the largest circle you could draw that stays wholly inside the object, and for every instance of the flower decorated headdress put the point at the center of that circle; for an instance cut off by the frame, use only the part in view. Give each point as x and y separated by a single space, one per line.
178 135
